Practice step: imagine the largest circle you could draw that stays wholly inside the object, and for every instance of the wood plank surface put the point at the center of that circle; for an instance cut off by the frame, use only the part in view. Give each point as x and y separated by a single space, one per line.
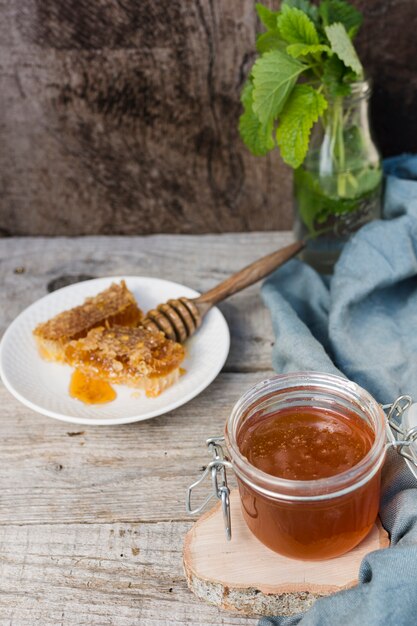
53 471
121 574
75 499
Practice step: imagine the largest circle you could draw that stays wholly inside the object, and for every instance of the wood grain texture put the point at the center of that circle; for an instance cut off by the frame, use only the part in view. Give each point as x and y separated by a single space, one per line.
106 474
243 575
119 574
121 117
92 519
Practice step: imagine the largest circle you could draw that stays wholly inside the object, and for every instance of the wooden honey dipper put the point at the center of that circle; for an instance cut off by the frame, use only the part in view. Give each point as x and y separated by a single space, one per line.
179 319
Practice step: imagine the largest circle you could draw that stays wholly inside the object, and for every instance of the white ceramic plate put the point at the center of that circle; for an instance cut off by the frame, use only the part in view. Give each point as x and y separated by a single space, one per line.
43 386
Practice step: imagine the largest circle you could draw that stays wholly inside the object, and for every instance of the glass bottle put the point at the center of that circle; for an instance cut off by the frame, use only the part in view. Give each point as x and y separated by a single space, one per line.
338 187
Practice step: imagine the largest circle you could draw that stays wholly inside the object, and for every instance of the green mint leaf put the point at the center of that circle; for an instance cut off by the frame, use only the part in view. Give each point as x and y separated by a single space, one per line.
304 5
342 46
274 76
257 138
332 11
267 17
296 27
301 49
271 40
334 72
302 109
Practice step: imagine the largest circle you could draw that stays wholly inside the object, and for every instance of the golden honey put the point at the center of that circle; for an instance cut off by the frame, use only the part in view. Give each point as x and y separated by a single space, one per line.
308 451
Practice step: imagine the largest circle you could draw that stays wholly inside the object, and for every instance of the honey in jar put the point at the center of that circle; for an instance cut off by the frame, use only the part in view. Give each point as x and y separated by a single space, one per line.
308 451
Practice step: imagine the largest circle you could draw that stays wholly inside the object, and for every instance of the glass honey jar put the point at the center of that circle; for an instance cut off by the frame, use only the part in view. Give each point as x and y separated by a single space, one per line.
312 517
307 450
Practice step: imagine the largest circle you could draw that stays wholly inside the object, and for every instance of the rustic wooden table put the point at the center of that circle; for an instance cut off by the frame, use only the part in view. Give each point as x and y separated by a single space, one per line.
92 519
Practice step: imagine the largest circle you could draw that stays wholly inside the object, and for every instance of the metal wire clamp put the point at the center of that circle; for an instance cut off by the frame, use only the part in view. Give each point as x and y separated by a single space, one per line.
217 470
398 437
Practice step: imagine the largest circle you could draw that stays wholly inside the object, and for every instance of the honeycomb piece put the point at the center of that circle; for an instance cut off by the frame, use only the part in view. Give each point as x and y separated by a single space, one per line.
115 305
136 357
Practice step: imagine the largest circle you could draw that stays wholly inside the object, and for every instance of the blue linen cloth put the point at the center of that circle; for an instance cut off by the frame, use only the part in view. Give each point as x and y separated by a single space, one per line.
362 323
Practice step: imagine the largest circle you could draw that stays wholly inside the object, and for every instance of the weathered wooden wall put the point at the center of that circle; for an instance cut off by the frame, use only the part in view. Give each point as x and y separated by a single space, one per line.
121 117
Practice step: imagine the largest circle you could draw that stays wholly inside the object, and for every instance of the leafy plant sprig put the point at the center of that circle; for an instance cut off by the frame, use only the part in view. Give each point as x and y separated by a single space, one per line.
306 59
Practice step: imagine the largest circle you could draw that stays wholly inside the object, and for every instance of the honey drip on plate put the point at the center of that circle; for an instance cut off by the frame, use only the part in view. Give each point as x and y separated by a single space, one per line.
90 390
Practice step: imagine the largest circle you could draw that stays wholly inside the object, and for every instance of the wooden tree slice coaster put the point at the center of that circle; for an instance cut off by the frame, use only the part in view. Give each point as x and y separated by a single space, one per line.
243 575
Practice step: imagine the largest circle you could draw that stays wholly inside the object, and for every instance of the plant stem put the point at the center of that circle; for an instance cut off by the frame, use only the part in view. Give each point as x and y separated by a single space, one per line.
338 146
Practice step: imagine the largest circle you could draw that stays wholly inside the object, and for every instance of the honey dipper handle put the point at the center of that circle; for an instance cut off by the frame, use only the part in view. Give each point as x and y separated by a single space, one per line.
249 275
